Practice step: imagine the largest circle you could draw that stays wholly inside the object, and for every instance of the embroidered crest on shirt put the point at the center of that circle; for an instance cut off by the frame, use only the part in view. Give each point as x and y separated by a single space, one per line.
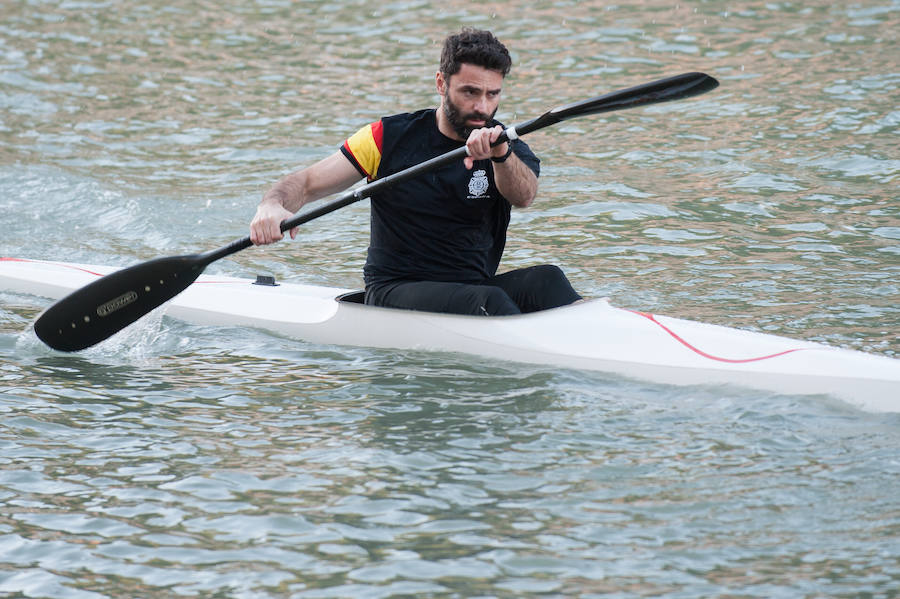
478 185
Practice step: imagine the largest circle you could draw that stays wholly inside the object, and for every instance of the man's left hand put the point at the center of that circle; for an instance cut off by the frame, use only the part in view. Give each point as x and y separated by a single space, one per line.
479 145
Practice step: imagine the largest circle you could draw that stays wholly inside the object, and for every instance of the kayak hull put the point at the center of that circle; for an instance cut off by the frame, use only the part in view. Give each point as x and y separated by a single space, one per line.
591 335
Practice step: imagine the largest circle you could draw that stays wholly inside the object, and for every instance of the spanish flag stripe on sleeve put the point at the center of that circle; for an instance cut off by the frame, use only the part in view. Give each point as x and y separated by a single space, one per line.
365 147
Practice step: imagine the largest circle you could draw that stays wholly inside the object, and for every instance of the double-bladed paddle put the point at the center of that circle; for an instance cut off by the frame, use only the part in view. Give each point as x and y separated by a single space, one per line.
98 310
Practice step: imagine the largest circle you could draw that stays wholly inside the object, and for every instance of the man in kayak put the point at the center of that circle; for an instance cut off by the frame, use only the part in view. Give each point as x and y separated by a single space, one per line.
436 240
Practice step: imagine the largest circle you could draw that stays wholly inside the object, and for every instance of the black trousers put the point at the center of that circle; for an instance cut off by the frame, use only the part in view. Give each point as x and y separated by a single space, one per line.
523 290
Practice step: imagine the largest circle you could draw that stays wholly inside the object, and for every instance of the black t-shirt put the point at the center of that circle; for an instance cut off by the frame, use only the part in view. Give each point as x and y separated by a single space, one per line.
445 225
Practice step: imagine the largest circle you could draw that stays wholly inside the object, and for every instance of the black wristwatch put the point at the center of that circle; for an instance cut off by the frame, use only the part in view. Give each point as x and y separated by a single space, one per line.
505 156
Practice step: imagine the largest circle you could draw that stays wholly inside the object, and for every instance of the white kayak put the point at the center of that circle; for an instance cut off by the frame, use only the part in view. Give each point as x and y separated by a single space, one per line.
591 335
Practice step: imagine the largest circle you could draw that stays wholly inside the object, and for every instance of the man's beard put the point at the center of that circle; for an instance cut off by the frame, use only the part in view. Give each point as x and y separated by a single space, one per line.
458 121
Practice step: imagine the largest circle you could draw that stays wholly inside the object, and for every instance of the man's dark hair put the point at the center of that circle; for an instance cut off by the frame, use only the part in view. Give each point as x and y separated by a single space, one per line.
475 47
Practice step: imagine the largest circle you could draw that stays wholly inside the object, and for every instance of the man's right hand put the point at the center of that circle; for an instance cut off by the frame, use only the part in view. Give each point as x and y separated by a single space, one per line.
265 227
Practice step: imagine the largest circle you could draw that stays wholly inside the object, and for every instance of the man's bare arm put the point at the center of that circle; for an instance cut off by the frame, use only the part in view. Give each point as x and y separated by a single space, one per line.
328 176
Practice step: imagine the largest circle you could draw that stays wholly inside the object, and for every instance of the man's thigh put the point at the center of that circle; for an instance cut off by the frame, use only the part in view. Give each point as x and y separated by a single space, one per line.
437 296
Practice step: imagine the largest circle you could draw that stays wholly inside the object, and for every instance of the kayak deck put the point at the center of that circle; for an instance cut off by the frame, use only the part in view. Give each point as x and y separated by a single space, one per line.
590 335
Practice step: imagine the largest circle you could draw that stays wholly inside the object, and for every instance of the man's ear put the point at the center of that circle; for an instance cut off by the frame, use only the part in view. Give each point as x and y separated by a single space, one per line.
439 83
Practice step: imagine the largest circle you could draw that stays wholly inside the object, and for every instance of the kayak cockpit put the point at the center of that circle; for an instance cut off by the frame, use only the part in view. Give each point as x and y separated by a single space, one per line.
353 297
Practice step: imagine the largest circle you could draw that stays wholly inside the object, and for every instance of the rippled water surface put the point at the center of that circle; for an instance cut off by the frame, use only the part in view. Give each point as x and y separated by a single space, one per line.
177 460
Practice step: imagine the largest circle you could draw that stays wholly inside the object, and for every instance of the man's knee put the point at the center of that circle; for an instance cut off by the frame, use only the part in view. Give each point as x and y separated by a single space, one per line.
548 274
558 289
544 286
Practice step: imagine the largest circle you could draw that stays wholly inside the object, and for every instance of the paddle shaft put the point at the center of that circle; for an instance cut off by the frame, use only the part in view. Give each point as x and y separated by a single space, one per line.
109 304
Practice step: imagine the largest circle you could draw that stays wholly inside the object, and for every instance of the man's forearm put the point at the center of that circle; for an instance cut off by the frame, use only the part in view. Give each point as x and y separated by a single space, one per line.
287 192
516 181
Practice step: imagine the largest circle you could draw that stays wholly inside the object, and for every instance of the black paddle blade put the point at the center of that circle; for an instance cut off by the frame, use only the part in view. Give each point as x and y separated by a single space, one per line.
686 85
89 315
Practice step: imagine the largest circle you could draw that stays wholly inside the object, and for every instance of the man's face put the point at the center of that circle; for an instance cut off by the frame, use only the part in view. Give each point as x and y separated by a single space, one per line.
470 98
